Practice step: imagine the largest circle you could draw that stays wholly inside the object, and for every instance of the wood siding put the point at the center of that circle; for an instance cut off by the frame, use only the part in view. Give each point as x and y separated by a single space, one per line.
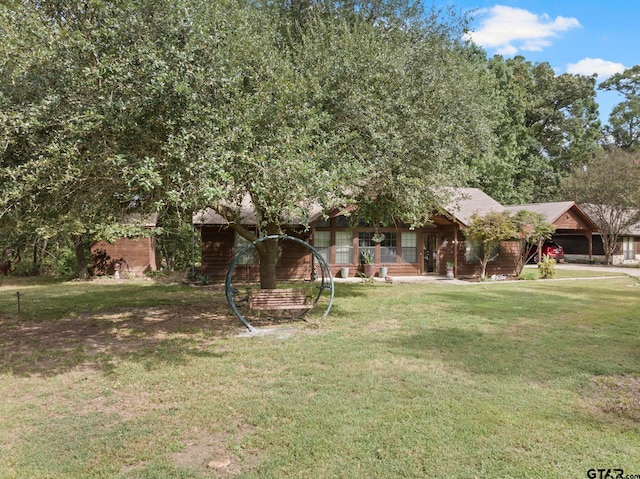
218 251
296 261
137 256
571 221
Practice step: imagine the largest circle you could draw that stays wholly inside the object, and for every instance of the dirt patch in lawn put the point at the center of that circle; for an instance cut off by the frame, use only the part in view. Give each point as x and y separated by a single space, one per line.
618 395
95 341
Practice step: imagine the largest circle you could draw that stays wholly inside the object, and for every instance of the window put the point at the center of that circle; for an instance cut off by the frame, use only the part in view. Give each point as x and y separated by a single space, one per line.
365 243
628 248
474 252
342 222
322 242
389 248
409 243
344 247
248 257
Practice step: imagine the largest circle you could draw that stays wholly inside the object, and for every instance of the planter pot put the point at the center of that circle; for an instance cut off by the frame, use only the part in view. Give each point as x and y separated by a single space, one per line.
369 269
383 271
449 272
344 272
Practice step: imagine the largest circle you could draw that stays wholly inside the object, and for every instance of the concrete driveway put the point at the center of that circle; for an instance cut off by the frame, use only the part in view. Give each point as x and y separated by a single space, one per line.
631 271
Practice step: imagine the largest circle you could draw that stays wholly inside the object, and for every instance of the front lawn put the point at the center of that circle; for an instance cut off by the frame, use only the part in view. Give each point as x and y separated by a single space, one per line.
141 380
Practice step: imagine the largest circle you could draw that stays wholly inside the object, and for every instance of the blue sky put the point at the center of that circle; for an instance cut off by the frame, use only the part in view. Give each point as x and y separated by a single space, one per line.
573 36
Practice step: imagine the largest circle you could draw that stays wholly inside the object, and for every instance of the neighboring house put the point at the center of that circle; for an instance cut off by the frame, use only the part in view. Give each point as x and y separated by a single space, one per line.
627 250
403 250
133 256
574 228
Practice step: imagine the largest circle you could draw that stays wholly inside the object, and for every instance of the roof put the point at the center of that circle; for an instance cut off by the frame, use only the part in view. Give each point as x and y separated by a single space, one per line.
246 215
470 201
553 211
146 221
632 230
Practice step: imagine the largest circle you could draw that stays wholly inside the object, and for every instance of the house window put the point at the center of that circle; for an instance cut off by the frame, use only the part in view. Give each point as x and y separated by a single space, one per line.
389 248
344 247
342 222
409 243
474 251
322 242
365 243
628 248
248 257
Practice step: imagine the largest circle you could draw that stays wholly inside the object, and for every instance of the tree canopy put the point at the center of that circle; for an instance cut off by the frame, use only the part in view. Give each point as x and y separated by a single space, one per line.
609 188
624 121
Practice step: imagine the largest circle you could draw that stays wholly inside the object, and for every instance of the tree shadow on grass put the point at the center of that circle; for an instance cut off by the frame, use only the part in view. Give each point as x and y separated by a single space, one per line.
529 351
152 336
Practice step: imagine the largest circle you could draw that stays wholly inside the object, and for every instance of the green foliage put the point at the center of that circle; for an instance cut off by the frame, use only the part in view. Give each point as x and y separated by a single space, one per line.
546 125
366 256
528 275
624 118
609 187
547 268
532 229
490 230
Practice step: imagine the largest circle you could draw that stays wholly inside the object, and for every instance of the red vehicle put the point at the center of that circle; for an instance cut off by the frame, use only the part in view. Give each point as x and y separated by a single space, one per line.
549 248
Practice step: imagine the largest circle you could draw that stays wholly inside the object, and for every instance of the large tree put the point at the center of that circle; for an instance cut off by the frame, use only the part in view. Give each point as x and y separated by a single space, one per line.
547 124
609 189
330 105
624 120
118 106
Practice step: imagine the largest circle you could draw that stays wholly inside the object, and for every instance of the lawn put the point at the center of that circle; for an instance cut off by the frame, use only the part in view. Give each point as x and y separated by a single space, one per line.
144 380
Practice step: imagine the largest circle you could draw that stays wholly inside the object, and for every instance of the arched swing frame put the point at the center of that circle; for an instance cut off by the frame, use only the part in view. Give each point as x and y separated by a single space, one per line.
326 279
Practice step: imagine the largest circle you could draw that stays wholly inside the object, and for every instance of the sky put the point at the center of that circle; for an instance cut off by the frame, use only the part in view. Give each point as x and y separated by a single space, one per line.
573 36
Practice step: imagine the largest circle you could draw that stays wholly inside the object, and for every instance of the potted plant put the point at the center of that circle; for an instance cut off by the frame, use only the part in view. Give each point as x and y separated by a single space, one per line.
450 267
366 260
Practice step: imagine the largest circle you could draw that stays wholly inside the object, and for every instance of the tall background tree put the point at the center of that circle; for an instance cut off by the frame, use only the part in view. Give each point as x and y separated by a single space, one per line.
609 189
546 125
623 129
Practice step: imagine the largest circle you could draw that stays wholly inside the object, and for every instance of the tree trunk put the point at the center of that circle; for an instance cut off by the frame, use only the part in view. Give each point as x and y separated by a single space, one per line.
81 258
268 252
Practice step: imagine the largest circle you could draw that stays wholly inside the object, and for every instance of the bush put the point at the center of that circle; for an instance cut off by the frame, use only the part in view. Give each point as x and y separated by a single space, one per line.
528 274
547 268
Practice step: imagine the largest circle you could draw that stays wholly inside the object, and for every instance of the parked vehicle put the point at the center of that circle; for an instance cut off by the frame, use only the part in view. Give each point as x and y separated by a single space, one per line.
549 248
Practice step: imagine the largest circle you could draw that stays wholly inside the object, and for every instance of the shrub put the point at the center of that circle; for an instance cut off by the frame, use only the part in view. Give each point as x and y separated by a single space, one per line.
547 268
528 274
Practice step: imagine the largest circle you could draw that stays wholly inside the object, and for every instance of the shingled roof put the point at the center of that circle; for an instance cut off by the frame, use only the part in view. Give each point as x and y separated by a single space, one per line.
470 201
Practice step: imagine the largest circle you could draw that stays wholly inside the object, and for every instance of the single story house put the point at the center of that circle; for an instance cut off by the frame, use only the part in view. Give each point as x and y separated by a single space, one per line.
133 256
574 227
627 249
403 250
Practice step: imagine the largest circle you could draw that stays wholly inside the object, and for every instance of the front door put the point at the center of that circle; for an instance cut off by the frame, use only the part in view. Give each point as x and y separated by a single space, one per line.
429 252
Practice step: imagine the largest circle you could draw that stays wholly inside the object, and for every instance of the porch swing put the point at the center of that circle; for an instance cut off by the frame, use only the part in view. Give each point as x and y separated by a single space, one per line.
280 299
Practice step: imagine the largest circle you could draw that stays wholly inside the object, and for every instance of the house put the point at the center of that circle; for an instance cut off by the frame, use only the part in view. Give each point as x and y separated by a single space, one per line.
340 239
133 256
627 250
574 227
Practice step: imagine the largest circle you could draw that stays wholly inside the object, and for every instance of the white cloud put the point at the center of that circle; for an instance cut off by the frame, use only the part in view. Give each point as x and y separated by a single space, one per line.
589 66
510 30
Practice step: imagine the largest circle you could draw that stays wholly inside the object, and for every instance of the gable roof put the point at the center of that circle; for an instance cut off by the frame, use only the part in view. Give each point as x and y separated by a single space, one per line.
470 201
554 211
633 229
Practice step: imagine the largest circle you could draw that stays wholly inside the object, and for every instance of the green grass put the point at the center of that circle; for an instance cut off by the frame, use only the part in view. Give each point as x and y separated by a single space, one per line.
526 379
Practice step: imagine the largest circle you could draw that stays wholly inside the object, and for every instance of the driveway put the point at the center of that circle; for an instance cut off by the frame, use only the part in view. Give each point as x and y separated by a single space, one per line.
631 271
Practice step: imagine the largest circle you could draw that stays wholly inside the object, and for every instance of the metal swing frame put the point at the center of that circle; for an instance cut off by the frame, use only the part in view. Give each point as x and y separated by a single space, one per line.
326 279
